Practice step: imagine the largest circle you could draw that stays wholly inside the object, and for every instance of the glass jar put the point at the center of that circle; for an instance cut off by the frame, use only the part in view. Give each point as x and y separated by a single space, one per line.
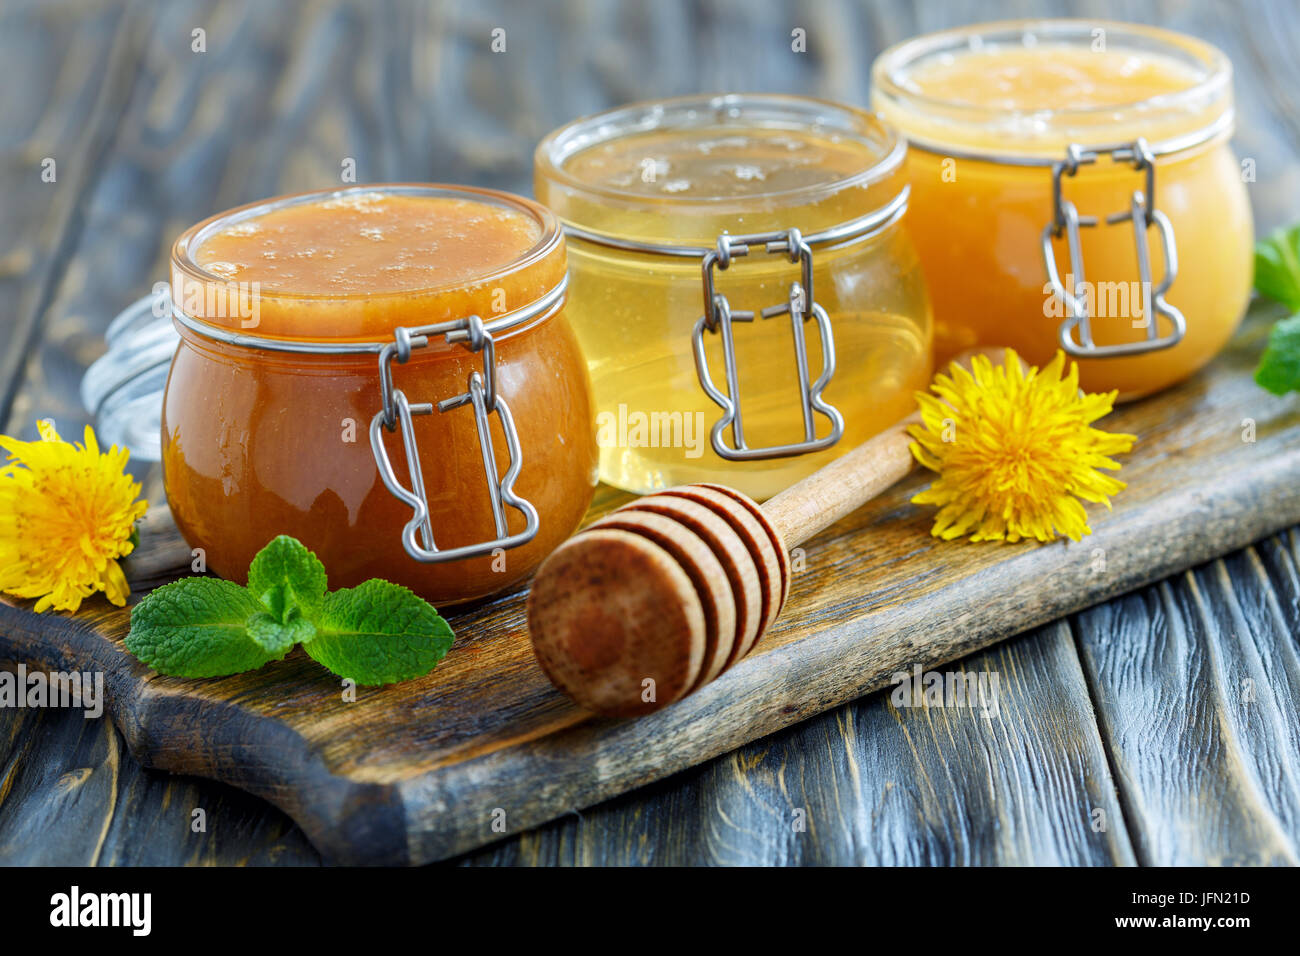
1034 148
746 300
350 395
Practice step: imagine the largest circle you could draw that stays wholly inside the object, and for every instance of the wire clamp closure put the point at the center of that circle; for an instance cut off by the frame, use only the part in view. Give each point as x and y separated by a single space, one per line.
482 396
800 306
1143 214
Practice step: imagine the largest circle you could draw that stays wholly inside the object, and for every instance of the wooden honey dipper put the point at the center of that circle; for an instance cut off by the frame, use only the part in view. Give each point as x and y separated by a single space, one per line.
678 586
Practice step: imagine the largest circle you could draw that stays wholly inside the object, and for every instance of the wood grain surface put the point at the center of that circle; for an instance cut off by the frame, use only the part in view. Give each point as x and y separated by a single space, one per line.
1192 667
150 136
485 745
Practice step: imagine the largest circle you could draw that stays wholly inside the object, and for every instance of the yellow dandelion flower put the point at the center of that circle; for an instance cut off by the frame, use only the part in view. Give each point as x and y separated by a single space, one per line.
1014 451
67 513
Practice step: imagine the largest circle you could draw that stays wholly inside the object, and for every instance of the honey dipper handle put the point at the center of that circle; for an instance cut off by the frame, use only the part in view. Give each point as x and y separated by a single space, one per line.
849 482
843 486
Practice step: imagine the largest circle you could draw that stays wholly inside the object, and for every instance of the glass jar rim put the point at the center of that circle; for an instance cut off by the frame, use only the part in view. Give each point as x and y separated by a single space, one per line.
683 112
1213 65
192 239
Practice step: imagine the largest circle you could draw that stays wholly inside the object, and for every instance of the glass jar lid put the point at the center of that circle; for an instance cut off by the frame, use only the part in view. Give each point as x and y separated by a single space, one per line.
123 389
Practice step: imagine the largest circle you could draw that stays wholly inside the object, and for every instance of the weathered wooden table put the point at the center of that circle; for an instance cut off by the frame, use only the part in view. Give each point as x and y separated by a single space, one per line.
1113 743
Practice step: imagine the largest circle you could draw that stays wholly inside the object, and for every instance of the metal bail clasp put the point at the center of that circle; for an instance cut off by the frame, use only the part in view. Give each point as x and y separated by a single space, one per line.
800 306
1143 214
482 396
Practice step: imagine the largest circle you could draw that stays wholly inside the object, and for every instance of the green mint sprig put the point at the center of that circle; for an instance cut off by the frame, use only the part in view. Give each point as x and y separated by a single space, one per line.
1277 275
375 633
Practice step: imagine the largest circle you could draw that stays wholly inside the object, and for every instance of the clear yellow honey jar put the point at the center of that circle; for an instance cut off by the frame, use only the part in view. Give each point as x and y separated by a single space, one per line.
739 282
1047 161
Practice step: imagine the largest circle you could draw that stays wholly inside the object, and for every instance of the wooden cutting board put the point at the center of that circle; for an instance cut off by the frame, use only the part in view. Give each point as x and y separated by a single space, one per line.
485 746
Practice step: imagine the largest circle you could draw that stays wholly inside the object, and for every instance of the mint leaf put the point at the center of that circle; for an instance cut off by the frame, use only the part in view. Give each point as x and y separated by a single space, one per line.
285 577
279 638
1277 267
1279 367
379 633
196 627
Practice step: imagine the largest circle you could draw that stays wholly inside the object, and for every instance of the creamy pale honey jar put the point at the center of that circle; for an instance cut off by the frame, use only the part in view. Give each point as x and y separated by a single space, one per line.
1073 187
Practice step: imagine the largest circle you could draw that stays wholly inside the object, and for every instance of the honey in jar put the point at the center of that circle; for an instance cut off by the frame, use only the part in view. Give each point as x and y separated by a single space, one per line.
1059 136
747 302
385 373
